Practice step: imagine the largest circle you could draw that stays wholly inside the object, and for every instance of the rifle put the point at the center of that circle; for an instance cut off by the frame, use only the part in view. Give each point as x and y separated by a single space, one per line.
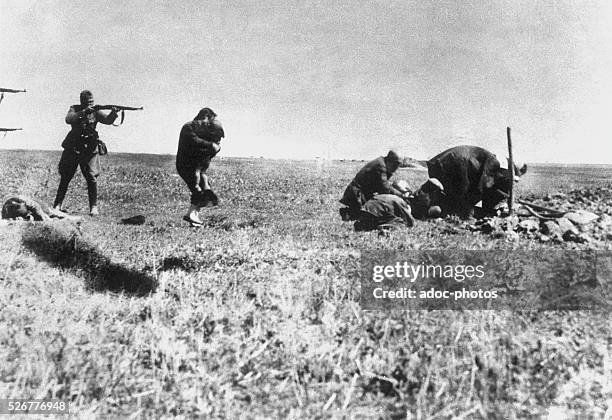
5 130
7 90
118 108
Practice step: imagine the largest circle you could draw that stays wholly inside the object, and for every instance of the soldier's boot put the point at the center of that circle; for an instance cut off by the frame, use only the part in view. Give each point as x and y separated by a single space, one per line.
92 194
61 193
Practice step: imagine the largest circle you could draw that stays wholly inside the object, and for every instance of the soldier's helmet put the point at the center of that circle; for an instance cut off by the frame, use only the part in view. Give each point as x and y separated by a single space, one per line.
85 96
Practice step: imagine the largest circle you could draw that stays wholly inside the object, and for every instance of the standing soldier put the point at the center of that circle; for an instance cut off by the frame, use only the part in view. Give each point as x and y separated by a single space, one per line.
199 142
372 179
81 149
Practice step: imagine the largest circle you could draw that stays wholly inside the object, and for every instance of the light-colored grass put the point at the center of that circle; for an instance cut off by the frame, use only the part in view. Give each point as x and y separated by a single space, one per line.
256 315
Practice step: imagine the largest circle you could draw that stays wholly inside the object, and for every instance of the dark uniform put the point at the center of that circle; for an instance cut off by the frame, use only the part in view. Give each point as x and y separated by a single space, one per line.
81 150
470 174
372 178
384 210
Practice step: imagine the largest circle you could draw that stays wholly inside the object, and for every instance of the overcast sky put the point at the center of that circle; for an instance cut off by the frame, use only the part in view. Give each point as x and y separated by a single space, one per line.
325 78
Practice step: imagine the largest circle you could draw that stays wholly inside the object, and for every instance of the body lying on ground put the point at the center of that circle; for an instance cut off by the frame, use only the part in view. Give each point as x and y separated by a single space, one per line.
26 208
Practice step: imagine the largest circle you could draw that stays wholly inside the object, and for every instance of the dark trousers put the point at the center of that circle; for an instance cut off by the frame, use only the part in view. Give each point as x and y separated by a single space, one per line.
354 199
193 175
90 168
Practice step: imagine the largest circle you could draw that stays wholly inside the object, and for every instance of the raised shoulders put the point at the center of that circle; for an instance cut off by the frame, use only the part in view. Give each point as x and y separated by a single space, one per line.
463 150
379 162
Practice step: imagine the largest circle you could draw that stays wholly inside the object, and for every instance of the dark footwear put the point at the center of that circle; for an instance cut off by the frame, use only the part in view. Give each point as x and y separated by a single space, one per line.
345 214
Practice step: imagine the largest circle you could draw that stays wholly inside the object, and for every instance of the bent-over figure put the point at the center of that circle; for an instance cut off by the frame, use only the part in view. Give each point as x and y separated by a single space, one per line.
384 211
471 174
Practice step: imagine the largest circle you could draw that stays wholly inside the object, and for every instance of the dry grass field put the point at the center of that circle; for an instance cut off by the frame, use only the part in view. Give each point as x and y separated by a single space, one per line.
257 314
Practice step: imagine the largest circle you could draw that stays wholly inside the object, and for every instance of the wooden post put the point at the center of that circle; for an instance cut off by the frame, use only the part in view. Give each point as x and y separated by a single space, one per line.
511 171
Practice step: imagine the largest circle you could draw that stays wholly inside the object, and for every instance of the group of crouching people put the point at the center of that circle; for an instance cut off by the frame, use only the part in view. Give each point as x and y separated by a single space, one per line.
374 202
464 180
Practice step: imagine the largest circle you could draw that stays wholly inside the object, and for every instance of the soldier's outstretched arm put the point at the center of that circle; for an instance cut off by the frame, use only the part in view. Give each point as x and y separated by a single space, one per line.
107 119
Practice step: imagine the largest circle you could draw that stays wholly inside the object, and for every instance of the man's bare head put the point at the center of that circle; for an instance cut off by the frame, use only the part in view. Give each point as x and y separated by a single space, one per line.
14 208
392 160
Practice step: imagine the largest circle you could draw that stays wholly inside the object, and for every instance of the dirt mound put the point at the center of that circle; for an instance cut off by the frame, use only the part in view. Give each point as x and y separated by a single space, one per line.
582 216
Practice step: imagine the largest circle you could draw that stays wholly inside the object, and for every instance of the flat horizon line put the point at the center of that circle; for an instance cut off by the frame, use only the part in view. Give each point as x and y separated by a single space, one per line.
302 159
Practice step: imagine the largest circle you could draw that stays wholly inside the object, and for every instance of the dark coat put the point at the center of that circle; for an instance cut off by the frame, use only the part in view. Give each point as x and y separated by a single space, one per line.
384 209
372 178
424 198
469 174
195 146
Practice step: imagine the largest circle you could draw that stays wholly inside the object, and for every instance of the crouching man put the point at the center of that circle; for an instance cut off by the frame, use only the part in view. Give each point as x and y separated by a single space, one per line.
372 179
